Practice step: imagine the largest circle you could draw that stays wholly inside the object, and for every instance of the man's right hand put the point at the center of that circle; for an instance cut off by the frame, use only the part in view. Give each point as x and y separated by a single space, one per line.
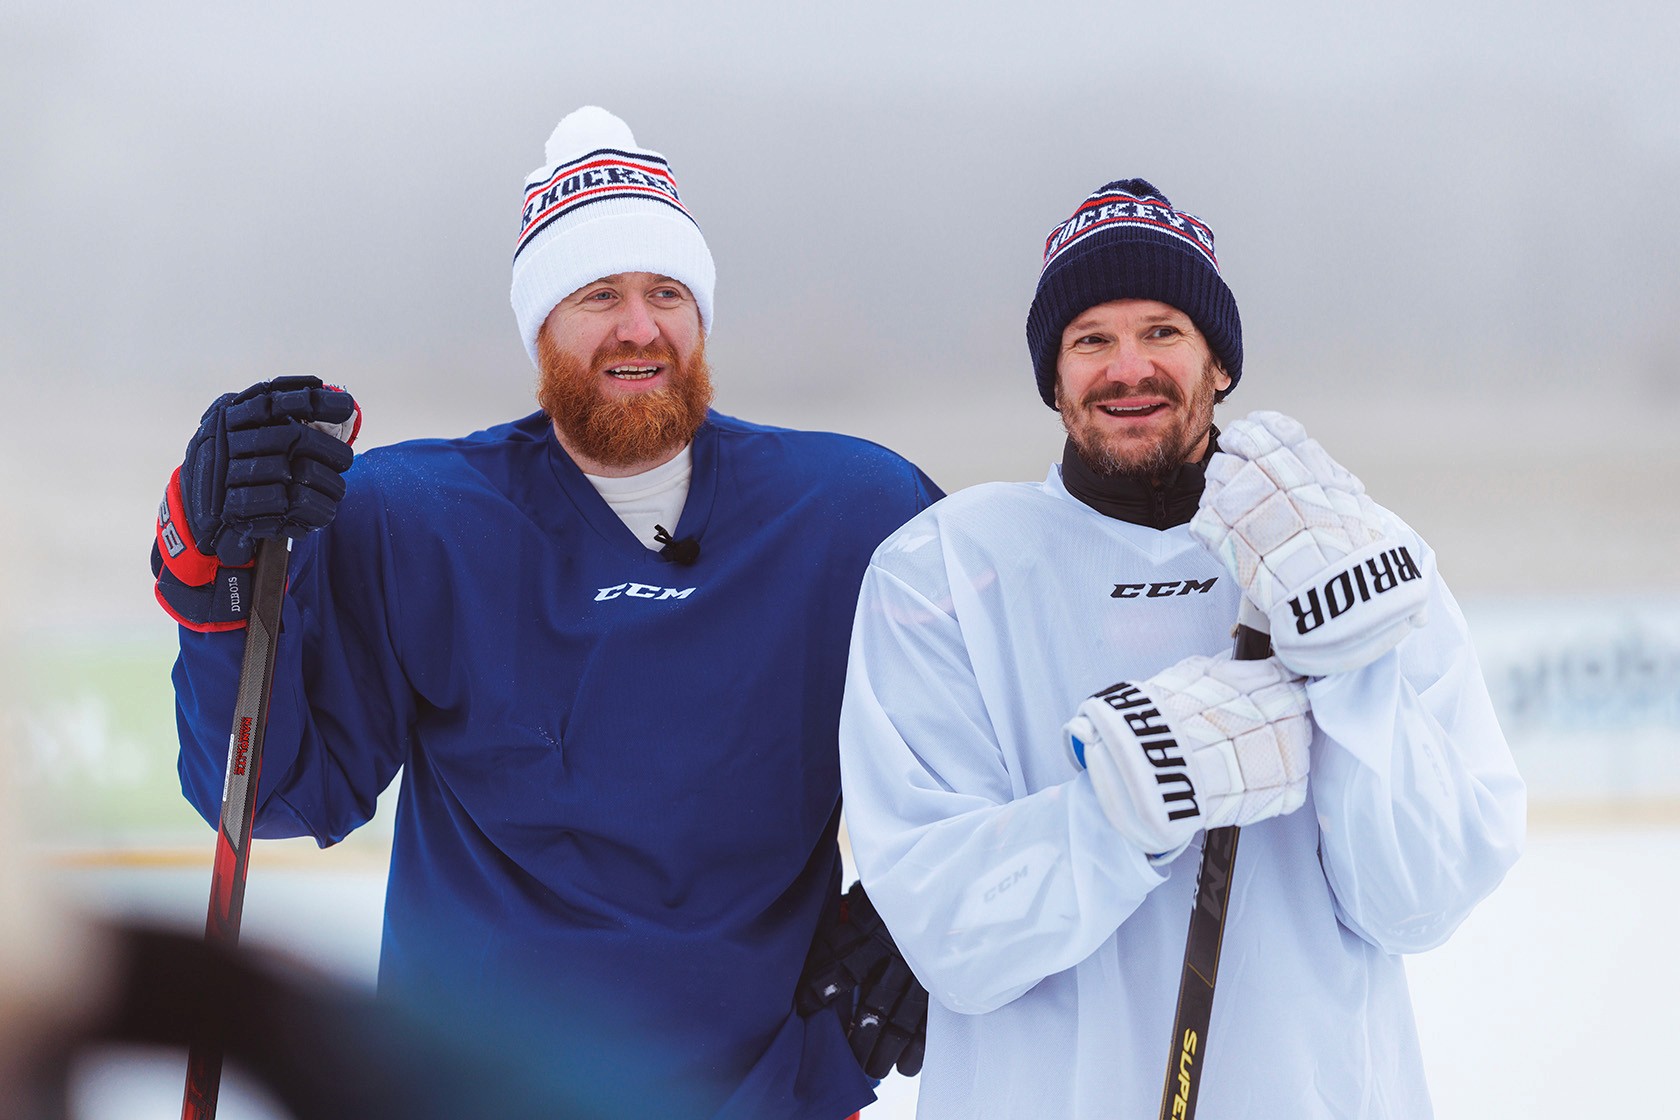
887 1026
265 463
1205 743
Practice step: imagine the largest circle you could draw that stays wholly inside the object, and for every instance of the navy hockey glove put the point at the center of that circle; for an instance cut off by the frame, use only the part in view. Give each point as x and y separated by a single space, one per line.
888 1024
265 463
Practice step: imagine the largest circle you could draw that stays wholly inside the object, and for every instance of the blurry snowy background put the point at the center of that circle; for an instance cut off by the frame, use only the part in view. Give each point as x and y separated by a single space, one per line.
1449 226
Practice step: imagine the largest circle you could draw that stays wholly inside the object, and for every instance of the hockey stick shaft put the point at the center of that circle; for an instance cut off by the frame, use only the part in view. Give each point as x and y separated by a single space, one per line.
239 799
1188 1050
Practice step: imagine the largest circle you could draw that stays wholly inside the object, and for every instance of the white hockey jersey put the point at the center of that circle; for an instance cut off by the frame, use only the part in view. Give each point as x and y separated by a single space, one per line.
1051 947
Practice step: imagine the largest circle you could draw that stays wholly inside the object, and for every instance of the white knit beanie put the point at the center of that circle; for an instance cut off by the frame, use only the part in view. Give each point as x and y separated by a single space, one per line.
601 206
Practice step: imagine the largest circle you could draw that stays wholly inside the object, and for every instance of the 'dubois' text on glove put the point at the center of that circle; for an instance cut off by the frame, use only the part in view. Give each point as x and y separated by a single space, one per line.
265 463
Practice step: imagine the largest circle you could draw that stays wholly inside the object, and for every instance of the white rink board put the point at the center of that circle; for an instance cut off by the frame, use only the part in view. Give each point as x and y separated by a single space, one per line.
1588 693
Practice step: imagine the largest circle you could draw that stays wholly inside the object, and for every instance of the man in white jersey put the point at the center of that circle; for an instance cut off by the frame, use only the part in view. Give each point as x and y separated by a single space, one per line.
1031 830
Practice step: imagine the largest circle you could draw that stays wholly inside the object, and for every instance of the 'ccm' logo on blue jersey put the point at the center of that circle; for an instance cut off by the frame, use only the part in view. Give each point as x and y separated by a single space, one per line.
641 591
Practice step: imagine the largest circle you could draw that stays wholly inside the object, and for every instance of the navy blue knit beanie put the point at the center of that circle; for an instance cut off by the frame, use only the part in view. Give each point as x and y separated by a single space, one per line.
1127 242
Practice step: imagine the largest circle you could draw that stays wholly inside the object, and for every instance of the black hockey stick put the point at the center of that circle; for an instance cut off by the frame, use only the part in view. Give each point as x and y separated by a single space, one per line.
1188 1048
239 799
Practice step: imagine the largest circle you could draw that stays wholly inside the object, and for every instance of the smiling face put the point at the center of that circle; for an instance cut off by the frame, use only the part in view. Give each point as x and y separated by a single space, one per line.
1135 383
624 376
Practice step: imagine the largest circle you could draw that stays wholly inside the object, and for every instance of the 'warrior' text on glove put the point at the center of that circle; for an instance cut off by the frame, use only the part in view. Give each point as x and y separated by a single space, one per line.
1205 743
1339 582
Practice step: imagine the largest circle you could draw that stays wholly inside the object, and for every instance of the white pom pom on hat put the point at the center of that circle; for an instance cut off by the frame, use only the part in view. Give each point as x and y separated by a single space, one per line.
585 130
599 206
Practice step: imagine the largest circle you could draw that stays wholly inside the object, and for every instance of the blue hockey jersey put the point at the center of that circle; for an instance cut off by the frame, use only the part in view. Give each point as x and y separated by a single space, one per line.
620 779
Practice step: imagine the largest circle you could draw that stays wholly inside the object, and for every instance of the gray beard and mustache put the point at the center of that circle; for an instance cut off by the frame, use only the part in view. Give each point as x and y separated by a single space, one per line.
623 431
1149 462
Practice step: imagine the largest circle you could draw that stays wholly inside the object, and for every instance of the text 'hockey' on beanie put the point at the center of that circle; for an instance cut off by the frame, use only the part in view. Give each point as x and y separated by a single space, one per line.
1126 241
601 206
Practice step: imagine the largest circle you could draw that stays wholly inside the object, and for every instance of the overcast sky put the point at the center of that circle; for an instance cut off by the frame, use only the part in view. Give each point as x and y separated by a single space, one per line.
1449 227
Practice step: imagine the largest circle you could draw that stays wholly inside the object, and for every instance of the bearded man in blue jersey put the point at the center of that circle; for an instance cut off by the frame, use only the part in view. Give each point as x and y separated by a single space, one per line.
604 645
1031 830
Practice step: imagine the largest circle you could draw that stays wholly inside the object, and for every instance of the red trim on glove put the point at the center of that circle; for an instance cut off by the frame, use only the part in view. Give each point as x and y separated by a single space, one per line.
175 539
356 427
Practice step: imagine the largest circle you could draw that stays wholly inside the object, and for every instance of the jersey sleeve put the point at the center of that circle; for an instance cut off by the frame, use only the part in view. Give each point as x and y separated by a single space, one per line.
987 889
1421 810
339 710
927 491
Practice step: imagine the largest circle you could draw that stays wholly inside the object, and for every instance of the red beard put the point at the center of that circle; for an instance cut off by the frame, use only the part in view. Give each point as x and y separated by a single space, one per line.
623 431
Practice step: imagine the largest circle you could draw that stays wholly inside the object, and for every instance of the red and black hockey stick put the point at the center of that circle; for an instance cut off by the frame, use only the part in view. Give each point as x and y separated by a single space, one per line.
239 799
1188 1050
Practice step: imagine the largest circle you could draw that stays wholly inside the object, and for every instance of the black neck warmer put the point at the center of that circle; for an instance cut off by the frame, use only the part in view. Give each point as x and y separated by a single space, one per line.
1158 503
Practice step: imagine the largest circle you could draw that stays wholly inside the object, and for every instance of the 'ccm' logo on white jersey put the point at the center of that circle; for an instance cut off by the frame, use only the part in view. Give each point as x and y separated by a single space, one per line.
1169 589
641 591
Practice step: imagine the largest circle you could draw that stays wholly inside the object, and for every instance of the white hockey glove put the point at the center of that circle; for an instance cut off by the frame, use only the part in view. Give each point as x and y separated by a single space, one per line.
1202 744
1296 530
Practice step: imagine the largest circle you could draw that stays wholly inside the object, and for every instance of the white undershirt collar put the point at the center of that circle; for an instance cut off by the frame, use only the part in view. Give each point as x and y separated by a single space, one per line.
654 497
